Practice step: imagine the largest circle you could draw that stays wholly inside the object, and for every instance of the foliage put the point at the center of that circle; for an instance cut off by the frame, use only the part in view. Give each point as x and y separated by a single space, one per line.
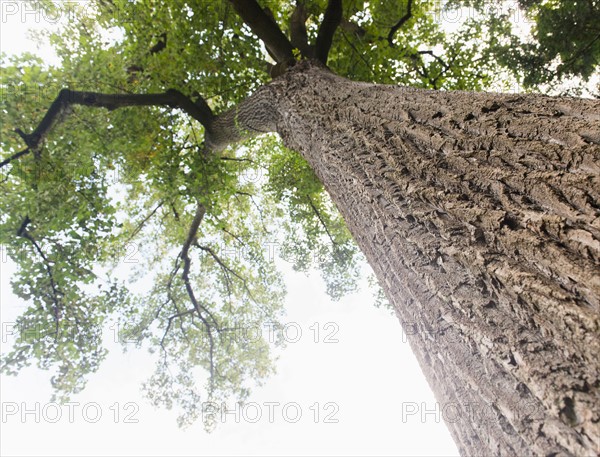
108 202
541 42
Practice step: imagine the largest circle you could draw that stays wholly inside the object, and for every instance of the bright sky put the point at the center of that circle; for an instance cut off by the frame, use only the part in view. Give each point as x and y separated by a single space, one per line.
361 394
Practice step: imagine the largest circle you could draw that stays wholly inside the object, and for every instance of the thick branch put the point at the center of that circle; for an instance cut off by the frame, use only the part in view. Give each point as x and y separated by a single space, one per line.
298 34
59 109
255 115
23 226
265 28
160 45
400 23
331 20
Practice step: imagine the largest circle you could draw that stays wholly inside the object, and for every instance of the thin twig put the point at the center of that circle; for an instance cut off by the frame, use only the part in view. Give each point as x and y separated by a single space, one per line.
314 208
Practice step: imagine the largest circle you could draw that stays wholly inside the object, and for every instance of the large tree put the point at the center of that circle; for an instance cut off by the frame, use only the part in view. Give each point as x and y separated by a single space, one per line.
479 212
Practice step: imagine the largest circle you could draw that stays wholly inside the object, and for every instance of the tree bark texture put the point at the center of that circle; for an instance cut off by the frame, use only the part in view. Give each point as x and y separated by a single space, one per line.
480 214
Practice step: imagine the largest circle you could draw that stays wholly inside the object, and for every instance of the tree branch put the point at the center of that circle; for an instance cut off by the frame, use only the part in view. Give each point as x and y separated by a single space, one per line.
160 44
436 57
569 62
424 72
260 213
318 214
191 238
266 29
227 270
60 108
358 53
170 322
400 23
56 306
198 309
331 20
143 222
23 226
298 34
14 157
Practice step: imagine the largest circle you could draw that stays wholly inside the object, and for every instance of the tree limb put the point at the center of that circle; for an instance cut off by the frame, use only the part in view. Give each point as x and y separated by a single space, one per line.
56 306
14 157
318 214
160 44
569 62
400 23
298 34
59 109
266 29
191 238
134 70
23 226
436 57
226 269
358 53
170 322
143 222
331 20
424 72
260 213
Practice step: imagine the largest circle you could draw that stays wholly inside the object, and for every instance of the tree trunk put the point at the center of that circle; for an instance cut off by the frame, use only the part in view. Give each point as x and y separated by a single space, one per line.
480 214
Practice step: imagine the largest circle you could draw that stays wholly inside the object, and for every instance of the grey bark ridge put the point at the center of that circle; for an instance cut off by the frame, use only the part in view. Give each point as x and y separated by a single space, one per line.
253 116
480 214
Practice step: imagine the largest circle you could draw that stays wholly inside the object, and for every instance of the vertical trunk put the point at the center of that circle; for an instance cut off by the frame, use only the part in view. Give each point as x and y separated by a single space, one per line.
480 214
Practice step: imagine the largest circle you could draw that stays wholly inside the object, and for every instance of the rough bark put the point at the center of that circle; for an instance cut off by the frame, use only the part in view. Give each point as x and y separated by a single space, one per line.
251 117
480 214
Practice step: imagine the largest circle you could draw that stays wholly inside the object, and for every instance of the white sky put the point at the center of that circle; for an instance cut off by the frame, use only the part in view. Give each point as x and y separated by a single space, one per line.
367 379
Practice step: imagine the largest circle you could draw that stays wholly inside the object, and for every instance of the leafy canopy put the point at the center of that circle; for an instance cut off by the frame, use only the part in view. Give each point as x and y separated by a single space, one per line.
110 201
